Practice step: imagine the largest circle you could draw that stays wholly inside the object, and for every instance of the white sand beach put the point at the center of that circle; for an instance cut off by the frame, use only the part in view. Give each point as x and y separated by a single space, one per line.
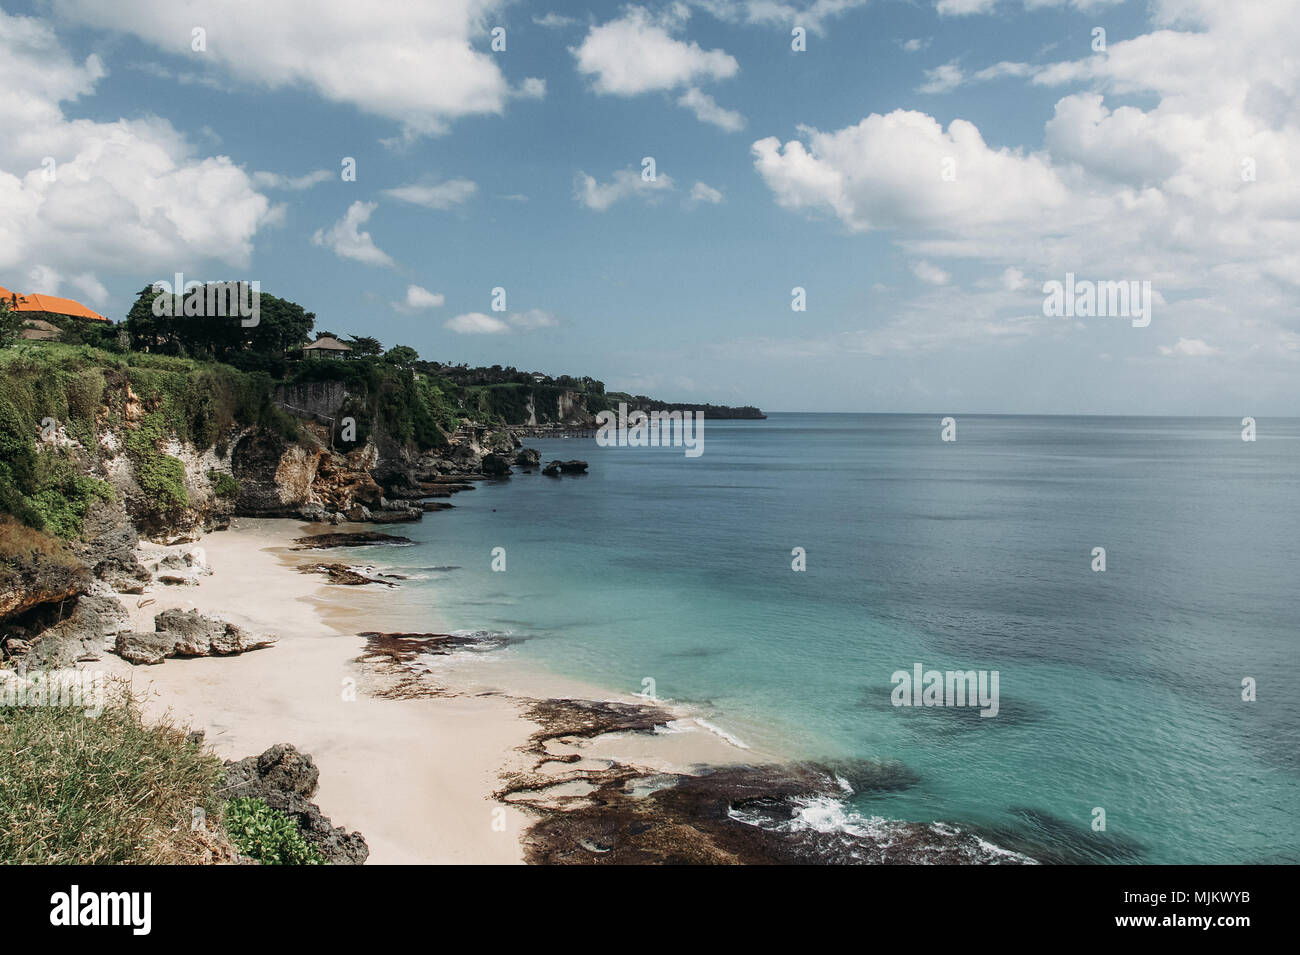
414 776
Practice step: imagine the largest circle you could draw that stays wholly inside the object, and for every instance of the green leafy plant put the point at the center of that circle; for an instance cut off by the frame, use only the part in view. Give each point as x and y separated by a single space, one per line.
223 484
267 835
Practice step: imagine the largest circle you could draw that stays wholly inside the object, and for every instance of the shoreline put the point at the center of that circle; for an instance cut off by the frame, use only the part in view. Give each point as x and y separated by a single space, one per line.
419 777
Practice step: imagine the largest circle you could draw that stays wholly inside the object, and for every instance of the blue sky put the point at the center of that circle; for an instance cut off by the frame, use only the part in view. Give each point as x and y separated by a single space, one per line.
775 169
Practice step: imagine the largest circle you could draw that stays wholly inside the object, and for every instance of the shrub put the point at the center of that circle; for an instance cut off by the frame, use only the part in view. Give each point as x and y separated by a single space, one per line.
268 835
223 484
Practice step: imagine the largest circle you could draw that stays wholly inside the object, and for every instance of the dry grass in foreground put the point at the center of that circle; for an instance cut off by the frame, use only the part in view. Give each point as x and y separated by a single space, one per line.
83 790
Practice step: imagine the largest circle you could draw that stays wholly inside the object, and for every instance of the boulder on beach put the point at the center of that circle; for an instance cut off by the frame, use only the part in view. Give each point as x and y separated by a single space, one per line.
286 779
186 633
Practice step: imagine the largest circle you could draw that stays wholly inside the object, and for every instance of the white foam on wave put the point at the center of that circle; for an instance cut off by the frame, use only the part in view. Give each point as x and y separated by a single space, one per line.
723 734
831 816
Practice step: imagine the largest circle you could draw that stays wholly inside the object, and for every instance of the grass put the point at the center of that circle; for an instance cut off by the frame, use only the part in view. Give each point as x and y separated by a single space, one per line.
18 542
83 790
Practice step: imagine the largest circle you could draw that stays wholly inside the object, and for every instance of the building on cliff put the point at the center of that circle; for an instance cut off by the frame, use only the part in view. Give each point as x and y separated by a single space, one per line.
327 348
38 309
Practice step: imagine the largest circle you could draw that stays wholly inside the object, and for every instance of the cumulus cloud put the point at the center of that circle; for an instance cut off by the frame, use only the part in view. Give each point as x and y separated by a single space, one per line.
707 110
476 323
123 195
1013 280
637 54
440 195
414 63
418 298
930 274
702 192
941 79
1186 183
346 240
888 172
625 184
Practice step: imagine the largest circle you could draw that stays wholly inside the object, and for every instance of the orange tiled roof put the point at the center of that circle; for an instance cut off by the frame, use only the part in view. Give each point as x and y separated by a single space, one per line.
49 303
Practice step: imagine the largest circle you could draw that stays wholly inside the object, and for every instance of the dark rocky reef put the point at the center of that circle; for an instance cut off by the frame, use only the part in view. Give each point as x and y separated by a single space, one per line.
349 576
556 468
752 814
352 539
286 779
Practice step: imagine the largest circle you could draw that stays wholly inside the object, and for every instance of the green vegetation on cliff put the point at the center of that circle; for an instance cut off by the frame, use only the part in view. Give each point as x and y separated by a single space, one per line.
55 397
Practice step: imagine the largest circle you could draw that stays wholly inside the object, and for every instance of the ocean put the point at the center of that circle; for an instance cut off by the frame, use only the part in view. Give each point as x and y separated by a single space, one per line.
1120 691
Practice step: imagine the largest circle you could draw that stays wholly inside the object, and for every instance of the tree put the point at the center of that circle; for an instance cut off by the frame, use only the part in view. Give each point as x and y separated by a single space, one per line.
402 355
11 323
365 345
281 325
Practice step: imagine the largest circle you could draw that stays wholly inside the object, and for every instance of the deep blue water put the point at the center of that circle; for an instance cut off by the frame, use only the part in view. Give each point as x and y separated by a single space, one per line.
1120 690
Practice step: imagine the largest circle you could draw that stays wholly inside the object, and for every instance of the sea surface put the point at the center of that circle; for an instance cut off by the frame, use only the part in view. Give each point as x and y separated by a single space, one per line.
1118 690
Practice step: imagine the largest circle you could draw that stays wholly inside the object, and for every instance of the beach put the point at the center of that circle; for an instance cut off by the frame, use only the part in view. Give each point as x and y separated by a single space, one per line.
415 776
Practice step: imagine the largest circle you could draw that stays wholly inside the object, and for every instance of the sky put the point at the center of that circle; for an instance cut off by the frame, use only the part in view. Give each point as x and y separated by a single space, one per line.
919 168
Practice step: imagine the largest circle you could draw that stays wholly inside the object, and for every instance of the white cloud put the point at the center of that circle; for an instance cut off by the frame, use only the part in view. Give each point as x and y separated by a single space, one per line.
810 16
887 172
532 319
706 110
476 323
555 21
1188 348
1013 280
1193 190
702 192
637 54
532 88
930 274
90 288
346 240
625 184
916 44
128 195
422 65
275 180
960 8
441 195
418 298
941 79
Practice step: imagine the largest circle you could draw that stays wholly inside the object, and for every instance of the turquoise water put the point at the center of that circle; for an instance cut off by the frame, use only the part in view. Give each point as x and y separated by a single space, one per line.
1119 690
